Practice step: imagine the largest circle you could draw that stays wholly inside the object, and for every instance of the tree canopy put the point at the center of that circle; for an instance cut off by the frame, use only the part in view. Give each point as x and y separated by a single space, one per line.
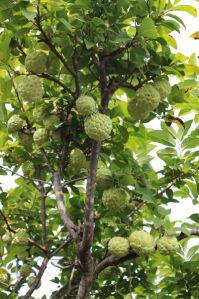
81 84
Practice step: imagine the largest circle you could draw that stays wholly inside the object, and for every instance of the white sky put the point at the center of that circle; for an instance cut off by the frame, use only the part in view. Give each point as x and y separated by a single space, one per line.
187 46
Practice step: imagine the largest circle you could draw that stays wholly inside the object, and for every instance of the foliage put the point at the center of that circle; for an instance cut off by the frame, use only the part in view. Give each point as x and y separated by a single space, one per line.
51 54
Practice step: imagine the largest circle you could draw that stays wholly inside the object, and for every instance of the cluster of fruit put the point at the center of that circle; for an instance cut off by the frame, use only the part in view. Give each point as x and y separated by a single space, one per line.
142 243
147 98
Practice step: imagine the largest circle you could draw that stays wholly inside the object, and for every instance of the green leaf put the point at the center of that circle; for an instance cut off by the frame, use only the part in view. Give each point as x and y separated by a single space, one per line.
6 4
162 137
66 24
5 39
30 15
194 217
147 29
187 8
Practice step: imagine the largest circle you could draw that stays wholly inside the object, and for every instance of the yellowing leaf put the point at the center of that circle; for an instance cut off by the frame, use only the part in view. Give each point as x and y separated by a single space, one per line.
195 35
187 8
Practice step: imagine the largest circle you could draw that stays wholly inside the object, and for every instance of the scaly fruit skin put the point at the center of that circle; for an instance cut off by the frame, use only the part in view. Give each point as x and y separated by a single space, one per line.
25 270
50 122
38 115
141 242
118 246
4 277
15 123
25 139
31 89
167 245
23 255
115 199
146 99
163 87
28 168
98 126
21 237
36 62
40 136
7 238
104 177
77 160
31 280
85 105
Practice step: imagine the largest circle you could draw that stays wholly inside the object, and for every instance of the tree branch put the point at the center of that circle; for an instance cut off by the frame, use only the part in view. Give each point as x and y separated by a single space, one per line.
61 206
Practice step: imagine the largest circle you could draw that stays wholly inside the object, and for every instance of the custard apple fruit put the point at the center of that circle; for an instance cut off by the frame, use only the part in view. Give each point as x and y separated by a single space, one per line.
104 177
23 255
31 280
98 126
21 237
146 99
38 114
167 245
85 105
4 276
28 168
163 87
115 199
40 136
25 139
18 155
7 238
142 242
77 160
31 89
36 62
25 270
15 123
118 246
50 122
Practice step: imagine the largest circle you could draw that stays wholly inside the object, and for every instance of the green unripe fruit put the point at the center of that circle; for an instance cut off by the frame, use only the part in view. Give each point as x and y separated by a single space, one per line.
4 277
28 168
21 237
23 255
98 126
118 246
2 231
7 238
38 114
15 123
40 136
104 177
18 155
50 122
31 89
115 199
36 62
142 242
85 105
146 99
56 137
167 245
25 139
31 280
163 87
77 160
25 270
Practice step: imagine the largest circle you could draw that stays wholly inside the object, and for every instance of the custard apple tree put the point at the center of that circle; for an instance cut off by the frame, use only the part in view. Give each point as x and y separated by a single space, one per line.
98 149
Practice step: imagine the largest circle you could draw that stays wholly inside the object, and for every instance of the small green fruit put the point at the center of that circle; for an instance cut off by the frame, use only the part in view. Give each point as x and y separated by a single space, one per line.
167 245
77 160
118 246
23 256
40 136
31 280
50 122
25 139
36 62
21 237
142 242
31 89
39 114
163 87
115 199
104 177
25 270
15 123
98 126
85 105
